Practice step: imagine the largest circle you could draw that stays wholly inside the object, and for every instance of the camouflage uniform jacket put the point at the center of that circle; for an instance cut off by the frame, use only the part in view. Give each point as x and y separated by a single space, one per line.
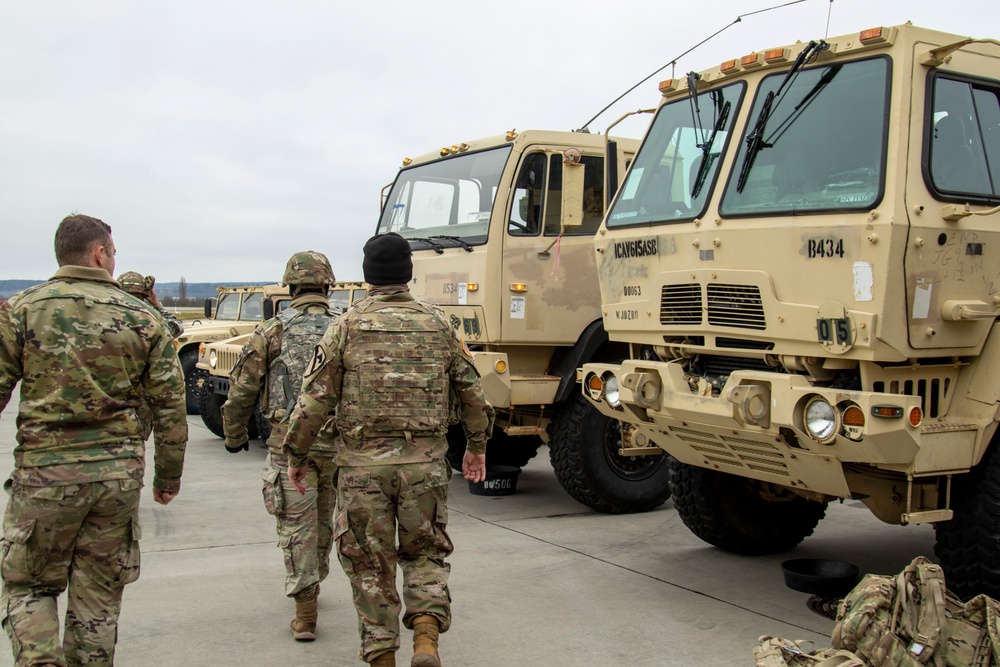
173 324
86 354
343 369
248 379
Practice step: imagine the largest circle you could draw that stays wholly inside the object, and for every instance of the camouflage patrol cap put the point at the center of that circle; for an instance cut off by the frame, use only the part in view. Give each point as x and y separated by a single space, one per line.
308 268
136 284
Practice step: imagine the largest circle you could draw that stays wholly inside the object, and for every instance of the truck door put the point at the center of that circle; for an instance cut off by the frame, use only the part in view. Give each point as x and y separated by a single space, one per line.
953 261
549 274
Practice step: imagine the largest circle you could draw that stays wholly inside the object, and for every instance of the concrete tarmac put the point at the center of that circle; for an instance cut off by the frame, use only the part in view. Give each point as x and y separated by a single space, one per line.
537 578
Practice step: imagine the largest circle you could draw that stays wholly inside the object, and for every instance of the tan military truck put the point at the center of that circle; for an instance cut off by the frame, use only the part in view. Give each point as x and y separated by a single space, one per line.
804 260
502 235
237 310
217 359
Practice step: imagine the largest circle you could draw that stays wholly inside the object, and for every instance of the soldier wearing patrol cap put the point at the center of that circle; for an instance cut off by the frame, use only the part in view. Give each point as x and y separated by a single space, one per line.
141 287
270 366
389 366
86 355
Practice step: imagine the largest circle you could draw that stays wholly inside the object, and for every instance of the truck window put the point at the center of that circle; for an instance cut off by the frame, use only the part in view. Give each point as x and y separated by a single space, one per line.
823 144
963 138
661 183
529 197
593 197
228 307
252 309
449 197
339 299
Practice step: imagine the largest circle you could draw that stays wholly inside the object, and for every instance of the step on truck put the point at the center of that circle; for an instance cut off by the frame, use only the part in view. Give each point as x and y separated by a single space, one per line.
804 262
216 360
501 231
234 311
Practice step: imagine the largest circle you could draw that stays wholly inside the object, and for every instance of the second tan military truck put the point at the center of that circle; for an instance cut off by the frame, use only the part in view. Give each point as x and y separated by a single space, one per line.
502 230
804 261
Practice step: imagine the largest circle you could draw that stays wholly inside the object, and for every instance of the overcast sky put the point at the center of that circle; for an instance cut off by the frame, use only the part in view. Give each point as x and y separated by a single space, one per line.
217 137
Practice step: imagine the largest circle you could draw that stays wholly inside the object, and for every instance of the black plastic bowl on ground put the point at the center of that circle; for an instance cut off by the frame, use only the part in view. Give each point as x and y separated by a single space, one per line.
500 481
818 576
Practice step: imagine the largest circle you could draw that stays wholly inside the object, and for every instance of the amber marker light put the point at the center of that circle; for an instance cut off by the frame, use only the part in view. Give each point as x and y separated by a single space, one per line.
510 136
518 287
916 416
407 161
887 411
463 147
776 55
729 66
668 85
871 36
500 366
444 151
472 287
752 60
854 416
595 386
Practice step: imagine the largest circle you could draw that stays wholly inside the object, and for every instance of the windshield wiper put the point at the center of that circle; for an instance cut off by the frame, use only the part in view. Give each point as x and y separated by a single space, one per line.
439 249
755 140
706 146
457 240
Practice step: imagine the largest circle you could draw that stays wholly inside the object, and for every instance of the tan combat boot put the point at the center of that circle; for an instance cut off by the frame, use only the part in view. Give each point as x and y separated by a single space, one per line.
385 660
425 642
304 624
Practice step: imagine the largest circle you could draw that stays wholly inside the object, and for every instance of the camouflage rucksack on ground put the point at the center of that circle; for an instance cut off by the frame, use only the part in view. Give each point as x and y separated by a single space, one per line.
905 620
910 619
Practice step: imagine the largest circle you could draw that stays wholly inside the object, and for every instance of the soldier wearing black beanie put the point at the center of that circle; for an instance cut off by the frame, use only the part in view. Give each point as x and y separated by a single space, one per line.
387 260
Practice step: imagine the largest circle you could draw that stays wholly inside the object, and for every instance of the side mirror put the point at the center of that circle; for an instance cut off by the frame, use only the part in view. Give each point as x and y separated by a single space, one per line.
268 309
572 194
208 308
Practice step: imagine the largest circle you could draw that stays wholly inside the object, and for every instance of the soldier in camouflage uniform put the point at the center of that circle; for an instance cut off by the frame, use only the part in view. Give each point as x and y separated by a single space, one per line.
271 366
85 353
389 366
141 287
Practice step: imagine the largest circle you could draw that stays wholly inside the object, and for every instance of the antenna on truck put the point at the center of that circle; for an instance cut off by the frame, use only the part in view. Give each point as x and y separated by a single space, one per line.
586 126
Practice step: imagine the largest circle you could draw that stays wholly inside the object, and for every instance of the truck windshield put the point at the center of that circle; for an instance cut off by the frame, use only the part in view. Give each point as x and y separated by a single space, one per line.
678 157
228 307
823 147
449 200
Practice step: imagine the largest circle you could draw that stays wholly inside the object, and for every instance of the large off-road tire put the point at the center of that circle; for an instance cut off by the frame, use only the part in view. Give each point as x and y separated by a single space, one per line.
741 515
502 449
584 450
968 546
210 406
195 379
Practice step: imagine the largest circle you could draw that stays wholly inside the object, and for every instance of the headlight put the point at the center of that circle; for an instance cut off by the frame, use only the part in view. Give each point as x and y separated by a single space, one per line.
611 390
213 358
820 419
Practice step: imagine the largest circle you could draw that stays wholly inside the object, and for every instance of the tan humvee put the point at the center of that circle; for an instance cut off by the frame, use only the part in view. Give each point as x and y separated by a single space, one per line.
502 235
807 279
237 310
218 358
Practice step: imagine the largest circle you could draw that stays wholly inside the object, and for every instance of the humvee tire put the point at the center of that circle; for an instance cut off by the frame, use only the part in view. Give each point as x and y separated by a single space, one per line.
194 379
732 512
584 451
964 542
210 407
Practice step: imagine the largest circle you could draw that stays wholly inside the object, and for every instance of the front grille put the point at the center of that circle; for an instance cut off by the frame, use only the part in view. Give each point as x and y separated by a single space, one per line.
738 306
733 451
718 365
680 304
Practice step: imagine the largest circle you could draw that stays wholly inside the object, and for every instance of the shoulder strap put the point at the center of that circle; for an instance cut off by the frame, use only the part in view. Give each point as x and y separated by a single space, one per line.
919 612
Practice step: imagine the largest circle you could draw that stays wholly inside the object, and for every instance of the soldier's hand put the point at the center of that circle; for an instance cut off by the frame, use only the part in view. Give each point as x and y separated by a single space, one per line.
236 449
153 301
164 497
296 477
474 467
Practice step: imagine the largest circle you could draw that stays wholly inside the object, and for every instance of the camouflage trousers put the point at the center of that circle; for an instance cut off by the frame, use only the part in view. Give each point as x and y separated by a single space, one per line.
304 520
85 536
372 504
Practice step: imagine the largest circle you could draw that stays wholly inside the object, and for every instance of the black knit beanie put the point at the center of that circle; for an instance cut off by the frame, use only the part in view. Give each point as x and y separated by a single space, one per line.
387 260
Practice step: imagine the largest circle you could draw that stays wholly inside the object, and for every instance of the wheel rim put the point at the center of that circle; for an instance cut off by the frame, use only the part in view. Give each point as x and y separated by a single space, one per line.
631 468
196 382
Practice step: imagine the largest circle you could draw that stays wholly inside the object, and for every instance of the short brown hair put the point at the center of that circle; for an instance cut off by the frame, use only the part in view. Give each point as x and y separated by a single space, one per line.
76 236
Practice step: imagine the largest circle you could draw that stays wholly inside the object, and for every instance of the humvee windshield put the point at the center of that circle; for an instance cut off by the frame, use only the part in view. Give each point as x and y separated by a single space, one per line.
446 202
678 158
